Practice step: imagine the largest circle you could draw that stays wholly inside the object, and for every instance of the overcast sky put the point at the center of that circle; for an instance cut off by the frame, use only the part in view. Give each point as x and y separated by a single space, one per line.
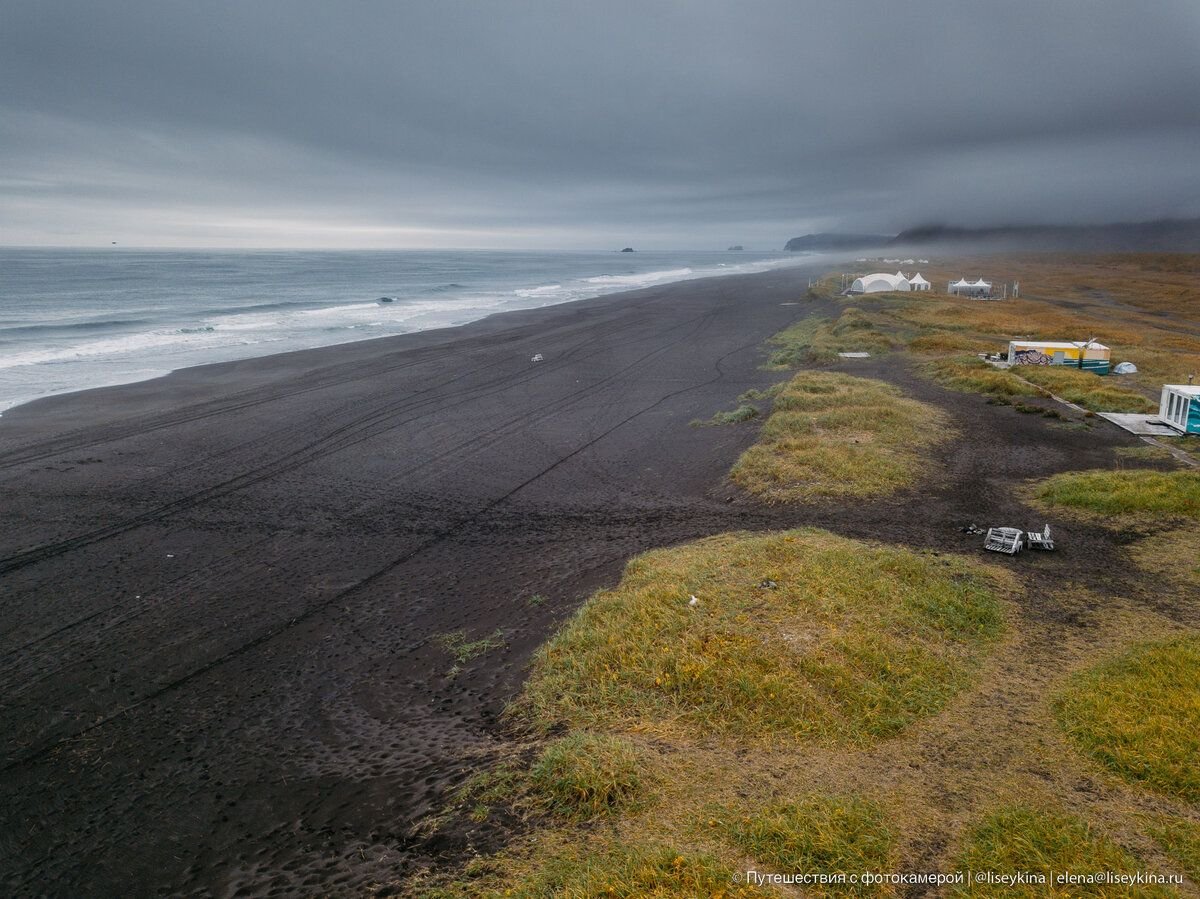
504 123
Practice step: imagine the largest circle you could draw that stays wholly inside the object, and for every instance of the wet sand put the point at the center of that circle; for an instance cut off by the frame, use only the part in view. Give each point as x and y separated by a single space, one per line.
221 592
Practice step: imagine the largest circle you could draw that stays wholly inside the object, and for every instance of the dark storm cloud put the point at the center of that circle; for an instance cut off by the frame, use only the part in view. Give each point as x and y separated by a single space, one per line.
554 123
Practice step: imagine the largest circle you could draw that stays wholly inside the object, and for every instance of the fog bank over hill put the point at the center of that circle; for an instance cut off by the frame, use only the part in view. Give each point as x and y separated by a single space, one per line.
1168 235
1164 236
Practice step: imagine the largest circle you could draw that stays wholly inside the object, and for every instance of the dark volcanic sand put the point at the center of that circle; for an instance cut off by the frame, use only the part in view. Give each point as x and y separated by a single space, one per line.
220 591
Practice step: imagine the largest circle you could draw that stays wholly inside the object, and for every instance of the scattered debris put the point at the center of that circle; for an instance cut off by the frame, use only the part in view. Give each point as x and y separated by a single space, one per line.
1004 540
768 585
855 355
1034 540
1013 540
537 357
693 602
972 529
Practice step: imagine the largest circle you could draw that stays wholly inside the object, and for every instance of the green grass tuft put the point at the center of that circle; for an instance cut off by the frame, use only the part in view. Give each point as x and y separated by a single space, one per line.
744 412
1139 715
586 775
464 650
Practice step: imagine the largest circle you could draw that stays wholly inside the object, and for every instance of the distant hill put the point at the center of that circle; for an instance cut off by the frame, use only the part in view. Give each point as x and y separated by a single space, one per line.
1166 235
830 241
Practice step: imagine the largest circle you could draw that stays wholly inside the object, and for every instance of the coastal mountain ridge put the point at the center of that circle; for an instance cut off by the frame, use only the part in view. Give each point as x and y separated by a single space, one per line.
834 241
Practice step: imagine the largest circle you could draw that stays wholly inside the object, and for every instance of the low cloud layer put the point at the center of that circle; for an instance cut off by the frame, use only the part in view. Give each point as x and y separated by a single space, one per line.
549 124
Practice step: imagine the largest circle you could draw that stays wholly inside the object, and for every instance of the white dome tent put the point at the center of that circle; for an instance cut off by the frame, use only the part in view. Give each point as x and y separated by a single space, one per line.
879 282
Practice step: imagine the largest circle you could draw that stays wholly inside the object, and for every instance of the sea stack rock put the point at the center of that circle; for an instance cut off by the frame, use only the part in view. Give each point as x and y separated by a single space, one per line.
627 250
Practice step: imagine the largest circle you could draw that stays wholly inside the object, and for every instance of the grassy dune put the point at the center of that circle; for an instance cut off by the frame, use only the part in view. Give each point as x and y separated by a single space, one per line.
852 643
834 435
815 340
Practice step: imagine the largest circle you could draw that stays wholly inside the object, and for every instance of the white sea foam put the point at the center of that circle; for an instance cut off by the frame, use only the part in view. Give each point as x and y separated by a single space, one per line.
674 274
272 305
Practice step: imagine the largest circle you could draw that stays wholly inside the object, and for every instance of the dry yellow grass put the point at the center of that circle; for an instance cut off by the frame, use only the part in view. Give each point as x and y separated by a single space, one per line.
1171 556
834 435
1146 307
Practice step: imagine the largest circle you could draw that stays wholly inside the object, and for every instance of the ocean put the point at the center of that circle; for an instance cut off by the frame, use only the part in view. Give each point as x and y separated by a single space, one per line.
71 319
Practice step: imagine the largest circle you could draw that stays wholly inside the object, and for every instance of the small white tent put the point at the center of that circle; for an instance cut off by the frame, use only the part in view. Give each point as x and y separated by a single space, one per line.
879 282
970 288
919 283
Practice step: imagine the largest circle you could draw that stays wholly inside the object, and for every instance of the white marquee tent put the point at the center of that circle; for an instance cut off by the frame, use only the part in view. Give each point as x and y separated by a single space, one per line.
919 283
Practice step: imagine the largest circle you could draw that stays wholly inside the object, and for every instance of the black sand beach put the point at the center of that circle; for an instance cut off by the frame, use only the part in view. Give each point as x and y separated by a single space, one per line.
221 591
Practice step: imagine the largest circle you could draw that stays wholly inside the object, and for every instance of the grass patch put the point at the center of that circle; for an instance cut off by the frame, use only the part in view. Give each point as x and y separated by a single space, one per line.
1190 445
1145 451
1172 556
1093 392
600 872
1018 839
950 343
970 375
1139 715
834 435
1180 839
853 643
744 412
463 650
816 340
587 775
1129 492
818 834
754 395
